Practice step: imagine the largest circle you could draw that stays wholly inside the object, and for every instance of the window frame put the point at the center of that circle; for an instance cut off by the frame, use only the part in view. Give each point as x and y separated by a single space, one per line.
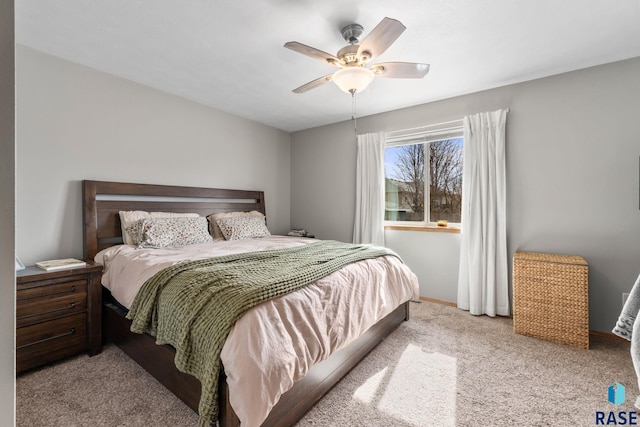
424 136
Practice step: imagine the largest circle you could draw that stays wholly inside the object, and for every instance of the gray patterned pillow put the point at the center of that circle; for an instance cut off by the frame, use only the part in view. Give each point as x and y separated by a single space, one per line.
169 232
215 231
243 227
128 218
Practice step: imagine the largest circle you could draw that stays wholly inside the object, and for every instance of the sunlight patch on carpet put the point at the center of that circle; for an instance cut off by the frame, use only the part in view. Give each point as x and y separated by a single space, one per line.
422 386
367 391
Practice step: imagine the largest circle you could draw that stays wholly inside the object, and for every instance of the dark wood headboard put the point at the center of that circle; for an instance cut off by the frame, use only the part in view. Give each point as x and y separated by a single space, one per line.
102 200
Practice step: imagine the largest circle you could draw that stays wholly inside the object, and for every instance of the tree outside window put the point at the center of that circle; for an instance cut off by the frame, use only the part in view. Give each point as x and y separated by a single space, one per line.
405 173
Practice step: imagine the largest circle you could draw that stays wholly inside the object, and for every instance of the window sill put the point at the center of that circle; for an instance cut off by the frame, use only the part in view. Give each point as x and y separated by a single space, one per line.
428 228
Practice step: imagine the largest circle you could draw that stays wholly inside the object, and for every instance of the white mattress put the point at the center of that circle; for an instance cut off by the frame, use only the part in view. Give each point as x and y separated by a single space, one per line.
275 343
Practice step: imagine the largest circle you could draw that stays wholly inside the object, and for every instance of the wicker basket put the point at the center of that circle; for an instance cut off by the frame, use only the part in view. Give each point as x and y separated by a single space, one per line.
550 297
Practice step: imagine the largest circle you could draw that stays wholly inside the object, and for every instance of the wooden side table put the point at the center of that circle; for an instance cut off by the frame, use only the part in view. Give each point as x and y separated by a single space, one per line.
58 314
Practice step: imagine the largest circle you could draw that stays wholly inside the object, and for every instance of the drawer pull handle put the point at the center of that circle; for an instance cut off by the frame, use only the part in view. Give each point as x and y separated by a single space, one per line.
70 306
71 290
71 332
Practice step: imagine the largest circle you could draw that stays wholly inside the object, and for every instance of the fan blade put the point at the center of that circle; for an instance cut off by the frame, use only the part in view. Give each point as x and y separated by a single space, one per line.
402 70
313 84
381 37
313 53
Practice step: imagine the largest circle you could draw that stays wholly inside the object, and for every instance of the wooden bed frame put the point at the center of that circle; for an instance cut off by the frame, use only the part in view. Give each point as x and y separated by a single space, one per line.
103 200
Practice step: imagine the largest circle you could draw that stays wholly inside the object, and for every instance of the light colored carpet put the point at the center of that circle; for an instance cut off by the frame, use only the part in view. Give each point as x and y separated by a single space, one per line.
442 368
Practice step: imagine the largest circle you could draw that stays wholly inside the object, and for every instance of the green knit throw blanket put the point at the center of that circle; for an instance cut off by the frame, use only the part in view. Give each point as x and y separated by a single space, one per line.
193 305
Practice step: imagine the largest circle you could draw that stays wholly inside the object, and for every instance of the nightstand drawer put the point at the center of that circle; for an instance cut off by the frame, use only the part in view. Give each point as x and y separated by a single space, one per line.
41 309
50 340
45 289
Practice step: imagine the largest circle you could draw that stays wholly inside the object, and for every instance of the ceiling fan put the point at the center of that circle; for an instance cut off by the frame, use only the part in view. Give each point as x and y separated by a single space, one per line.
355 73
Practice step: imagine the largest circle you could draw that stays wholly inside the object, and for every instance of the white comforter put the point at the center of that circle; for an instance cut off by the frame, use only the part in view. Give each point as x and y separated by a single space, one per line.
275 343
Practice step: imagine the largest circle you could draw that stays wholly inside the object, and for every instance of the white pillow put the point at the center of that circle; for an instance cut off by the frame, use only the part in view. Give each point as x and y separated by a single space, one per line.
128 218
245 227
214 229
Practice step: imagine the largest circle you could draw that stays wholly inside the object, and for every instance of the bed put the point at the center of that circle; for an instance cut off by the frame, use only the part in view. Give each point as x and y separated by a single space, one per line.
102 202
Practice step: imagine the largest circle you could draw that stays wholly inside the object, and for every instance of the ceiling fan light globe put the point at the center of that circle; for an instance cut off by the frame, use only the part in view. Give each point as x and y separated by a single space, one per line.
353 79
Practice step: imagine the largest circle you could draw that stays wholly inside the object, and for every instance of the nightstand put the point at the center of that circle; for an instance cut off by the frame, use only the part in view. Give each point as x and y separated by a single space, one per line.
58 314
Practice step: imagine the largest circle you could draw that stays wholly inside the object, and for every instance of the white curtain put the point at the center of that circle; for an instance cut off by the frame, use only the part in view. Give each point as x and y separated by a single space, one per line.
483 274
369 220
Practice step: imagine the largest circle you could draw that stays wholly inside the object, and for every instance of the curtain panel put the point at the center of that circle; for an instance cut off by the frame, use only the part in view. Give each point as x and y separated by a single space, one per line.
369 217
483 272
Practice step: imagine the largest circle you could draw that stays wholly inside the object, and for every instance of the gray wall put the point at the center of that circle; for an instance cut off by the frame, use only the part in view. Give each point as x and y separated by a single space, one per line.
573 147
7 214
77 123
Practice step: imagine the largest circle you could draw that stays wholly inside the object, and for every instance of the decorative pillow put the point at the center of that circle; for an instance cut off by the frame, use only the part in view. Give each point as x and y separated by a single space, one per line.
243 227
128 218
168 232
214 229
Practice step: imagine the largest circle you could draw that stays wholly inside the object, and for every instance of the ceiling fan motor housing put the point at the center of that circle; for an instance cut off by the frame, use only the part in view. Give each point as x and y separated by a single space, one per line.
350 57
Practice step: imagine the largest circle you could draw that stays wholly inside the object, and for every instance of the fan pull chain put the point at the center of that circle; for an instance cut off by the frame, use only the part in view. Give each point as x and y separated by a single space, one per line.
353 112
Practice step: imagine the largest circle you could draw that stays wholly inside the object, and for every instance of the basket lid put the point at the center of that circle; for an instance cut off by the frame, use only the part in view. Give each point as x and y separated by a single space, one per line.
542 257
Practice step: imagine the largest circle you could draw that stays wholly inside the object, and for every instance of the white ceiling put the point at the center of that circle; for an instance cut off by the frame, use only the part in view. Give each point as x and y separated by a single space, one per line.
230 55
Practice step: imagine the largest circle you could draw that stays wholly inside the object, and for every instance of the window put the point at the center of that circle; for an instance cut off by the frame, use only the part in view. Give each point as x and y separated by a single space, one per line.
423 177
